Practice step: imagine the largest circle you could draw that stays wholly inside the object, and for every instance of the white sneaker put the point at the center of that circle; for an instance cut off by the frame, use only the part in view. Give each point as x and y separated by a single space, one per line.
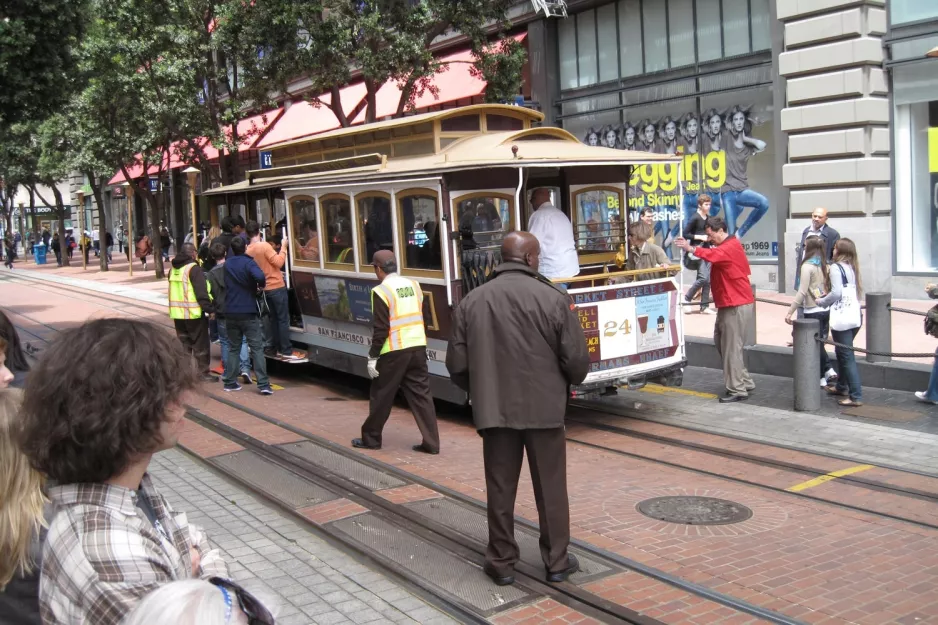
708 311
831 375
823 382
921 396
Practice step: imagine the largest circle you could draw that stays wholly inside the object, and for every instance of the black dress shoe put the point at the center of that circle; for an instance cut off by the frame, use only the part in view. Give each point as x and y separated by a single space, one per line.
423 448
729 399
357 442
573 565
500 580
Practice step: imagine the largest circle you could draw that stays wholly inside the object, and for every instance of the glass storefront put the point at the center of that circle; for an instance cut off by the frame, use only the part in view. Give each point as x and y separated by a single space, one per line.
915 131
721 121
908 11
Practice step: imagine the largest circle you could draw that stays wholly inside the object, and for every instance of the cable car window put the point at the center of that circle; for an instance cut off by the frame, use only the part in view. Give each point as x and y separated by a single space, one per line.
419 222
374 222
305 241
337 225
599 222
483 221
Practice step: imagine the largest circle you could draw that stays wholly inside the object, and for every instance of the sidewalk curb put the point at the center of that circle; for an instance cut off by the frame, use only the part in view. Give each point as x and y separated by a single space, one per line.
779 361
123 291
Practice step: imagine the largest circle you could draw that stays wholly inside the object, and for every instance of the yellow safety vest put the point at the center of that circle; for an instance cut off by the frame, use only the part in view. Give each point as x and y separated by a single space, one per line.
405 304
182 301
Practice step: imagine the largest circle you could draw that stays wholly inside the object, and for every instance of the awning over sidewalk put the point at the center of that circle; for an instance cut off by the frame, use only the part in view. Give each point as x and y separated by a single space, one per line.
250 131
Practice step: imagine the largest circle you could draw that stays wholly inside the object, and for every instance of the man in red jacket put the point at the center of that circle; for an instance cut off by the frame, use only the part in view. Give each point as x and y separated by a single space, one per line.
732 294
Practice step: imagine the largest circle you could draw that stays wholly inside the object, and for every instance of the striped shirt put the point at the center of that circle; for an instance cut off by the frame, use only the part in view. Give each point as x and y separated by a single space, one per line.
102 555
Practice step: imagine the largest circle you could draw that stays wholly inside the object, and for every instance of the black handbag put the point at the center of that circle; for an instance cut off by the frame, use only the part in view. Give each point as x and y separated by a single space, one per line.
931 322
263 308
691 262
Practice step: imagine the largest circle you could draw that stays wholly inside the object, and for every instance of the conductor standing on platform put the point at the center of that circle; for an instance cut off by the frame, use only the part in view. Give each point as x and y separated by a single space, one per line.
398 357
190 305
516 348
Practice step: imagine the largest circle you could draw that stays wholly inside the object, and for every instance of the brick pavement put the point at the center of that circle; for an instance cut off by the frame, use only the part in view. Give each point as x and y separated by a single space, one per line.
309 580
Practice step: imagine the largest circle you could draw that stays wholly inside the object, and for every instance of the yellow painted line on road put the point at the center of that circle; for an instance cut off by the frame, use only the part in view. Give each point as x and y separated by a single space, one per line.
828 477
658 389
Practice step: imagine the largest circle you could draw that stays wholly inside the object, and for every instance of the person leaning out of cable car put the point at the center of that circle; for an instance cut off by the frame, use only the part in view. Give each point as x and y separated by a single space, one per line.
398 357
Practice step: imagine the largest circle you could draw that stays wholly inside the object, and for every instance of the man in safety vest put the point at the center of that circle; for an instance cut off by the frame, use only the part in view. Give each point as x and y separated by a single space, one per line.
398 357
190 304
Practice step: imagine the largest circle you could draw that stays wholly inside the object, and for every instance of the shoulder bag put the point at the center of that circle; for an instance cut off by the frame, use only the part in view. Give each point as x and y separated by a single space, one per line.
263 309
845 314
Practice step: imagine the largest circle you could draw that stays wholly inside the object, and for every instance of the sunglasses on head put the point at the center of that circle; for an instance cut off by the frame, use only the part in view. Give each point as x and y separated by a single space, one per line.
255 611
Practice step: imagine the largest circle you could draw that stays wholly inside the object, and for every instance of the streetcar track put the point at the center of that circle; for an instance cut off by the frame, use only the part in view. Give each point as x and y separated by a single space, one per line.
913 493
608 557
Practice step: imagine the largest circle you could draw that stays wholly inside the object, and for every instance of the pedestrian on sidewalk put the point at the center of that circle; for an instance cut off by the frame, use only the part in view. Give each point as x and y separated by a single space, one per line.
69 243
12 353
143 248
843 300
9 250
24 516
519 406
813 285
206 258
85 246
732 294
96 242
109 245
190 304
216 278
398 357
165 241
930 395
57 249
275 291
695 230
244 281
114 537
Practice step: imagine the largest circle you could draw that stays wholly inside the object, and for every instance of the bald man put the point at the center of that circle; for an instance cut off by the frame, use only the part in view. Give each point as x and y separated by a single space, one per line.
517 346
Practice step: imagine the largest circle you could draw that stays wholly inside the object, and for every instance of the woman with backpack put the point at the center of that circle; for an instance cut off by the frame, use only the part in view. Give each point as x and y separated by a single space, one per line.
930 396
843 299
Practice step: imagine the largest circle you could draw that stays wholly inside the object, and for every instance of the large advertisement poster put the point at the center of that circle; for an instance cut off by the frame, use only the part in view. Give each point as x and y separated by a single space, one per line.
724 157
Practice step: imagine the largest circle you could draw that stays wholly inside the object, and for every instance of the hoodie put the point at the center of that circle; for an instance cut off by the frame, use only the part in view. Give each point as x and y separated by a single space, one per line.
243 282
197 278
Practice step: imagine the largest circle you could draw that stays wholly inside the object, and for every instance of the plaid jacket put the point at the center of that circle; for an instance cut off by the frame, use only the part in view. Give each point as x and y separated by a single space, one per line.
101 557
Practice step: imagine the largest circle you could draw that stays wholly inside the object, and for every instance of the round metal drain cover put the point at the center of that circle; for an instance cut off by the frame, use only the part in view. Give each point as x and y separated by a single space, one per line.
690 510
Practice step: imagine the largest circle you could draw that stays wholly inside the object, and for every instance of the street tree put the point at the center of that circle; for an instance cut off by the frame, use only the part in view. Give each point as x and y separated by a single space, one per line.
339 42
37 56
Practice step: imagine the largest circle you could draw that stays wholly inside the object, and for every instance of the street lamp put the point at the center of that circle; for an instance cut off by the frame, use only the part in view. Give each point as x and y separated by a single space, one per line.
191 173
129 192
81 226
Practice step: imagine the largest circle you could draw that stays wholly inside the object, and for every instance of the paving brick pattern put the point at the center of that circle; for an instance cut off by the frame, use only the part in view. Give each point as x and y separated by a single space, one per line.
332 511
543 612
408 494
206 443
308 580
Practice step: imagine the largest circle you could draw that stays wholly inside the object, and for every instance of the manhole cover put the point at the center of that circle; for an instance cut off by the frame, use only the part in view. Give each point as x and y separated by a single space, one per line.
691 510
335 399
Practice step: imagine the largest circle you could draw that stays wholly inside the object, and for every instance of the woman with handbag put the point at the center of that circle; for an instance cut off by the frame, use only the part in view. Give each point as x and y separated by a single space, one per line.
930 396
813 285
845 320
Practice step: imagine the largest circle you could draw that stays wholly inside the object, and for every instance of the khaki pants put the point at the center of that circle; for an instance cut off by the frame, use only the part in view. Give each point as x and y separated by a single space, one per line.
728 336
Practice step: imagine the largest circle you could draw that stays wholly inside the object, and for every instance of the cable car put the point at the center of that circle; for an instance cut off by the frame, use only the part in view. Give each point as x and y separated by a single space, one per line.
441 190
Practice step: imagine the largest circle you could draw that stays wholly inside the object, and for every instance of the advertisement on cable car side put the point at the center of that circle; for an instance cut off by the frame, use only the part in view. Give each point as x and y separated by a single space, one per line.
629 326
722 158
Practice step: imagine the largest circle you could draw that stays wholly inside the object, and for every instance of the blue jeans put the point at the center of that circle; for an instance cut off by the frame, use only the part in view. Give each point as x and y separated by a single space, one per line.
734 201
279 305
245 361
250 329
848 378
702 284
932 392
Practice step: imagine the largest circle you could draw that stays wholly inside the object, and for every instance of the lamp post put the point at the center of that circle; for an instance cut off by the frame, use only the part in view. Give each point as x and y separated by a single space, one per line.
129 189
81 226
23 230
191 173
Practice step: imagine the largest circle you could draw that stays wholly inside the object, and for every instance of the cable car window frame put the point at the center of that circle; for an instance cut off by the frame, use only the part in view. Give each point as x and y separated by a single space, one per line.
294 248
403 269
351 266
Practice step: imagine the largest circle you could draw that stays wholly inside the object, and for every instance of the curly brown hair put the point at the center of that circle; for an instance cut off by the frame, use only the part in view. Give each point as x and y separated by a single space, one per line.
98 397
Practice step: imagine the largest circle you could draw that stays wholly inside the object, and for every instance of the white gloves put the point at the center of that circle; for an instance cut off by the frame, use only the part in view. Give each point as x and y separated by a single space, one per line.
372 368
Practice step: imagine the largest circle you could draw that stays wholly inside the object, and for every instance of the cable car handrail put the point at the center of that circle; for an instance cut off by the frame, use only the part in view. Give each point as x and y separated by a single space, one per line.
669 270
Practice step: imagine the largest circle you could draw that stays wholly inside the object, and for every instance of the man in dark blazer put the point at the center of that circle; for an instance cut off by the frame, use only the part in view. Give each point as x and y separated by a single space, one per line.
818 228
517 346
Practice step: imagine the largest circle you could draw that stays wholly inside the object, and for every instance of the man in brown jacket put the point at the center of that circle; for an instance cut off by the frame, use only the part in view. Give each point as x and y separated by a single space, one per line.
516 348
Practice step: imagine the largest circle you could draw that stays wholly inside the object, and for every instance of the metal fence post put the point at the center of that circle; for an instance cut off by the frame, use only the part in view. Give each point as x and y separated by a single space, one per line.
749 338
806 376
878 326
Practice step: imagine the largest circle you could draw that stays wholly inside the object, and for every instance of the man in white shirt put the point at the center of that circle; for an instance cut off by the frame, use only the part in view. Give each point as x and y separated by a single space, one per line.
555 234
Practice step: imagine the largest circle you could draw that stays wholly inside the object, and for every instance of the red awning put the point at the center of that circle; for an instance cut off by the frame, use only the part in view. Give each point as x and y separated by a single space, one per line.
250 131
455 83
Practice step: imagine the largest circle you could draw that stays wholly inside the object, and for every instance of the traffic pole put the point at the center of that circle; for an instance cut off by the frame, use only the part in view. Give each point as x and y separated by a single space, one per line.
878 326
806 376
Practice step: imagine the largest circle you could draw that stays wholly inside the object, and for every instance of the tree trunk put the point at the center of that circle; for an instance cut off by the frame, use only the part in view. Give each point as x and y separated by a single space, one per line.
156 216
102 221
371 110
37 229
335 103
60 209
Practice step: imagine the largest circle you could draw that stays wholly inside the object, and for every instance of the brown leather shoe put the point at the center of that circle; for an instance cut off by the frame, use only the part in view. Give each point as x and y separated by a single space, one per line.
424 449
